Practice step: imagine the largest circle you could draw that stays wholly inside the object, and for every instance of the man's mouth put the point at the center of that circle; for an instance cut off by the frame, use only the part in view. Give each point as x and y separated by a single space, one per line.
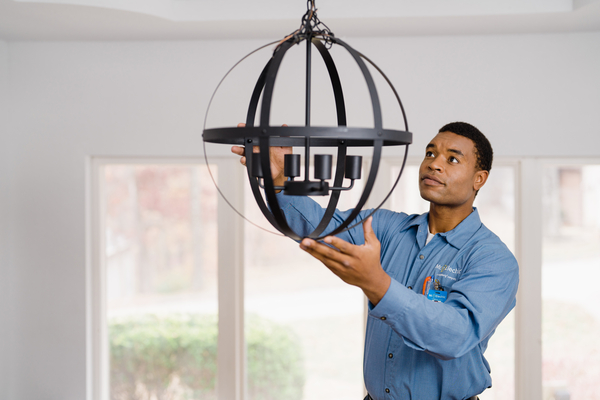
431 180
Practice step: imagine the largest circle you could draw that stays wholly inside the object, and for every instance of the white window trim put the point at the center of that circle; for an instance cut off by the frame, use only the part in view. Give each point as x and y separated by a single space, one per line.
528 318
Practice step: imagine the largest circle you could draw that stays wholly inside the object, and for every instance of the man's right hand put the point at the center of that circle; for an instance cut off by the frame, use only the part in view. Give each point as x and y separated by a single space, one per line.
277 154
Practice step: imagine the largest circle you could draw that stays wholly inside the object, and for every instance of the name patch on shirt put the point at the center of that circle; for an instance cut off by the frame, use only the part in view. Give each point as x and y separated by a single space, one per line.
438 296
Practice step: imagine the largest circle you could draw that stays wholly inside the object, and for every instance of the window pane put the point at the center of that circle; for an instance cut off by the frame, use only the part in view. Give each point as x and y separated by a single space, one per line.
496 205
406 197
300 315
570 270
161 281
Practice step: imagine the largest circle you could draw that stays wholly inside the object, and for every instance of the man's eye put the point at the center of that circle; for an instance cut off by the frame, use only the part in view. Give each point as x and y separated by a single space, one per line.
428 154
453 160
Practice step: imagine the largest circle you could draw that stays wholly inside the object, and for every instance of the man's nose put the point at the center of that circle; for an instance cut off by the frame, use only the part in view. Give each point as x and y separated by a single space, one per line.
435 164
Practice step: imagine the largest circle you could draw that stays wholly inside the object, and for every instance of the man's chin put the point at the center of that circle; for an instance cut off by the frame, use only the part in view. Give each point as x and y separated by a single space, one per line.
427 195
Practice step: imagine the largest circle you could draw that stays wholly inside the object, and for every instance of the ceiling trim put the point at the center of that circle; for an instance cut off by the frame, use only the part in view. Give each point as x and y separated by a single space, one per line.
20 20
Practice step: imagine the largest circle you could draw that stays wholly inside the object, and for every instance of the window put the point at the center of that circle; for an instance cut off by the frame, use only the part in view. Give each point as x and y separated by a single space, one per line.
144 268
160 287
292 298
570 272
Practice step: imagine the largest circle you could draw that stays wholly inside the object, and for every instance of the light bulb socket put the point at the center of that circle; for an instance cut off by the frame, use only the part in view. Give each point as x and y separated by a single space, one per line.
256 167
291 165
353 167
323 166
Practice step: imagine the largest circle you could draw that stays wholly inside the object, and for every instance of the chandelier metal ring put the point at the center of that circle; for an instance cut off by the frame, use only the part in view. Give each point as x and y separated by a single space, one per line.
341 137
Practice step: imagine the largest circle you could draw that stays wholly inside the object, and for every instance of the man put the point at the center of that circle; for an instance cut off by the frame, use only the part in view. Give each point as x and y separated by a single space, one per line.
438 284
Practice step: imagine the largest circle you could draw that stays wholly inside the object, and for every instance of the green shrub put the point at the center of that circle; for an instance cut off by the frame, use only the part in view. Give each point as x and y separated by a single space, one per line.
275 364
175 357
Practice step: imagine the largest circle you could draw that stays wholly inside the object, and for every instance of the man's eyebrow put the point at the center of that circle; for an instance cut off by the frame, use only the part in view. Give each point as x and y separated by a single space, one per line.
456 152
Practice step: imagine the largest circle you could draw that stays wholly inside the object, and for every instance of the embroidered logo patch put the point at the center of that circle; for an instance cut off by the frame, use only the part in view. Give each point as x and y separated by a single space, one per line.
446 272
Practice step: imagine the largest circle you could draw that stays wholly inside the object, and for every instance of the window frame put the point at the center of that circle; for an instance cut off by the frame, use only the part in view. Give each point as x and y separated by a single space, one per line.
539 166
231 381
231 356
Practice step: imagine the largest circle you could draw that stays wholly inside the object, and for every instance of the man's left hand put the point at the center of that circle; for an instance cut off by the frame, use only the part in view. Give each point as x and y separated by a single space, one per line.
356 265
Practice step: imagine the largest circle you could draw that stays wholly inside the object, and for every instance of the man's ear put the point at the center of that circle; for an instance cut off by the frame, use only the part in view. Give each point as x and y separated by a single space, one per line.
480 179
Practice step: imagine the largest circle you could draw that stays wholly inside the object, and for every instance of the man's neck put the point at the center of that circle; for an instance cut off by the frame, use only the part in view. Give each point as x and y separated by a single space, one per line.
445 218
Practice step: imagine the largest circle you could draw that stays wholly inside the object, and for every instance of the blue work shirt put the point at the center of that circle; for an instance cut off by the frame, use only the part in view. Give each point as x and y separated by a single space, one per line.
416 348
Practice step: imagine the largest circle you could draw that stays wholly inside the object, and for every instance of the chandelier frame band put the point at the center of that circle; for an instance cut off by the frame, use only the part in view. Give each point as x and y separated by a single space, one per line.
265 136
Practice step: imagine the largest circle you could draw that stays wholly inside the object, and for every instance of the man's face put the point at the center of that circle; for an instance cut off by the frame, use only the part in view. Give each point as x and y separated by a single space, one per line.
448 174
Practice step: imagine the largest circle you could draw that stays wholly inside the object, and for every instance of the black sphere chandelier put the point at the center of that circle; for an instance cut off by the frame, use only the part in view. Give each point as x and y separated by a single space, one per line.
263 136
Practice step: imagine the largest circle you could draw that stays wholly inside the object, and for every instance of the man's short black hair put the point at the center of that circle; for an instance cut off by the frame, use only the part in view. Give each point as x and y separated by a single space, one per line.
483 148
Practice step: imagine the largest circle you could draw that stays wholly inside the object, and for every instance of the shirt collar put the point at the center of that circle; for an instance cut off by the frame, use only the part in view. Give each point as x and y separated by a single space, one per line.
458 236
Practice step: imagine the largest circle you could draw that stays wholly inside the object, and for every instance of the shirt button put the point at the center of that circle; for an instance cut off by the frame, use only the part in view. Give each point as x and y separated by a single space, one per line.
421 256
383 318
390 355
387 390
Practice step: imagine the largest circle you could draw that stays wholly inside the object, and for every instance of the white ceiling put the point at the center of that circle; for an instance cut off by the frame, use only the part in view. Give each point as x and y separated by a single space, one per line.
202 19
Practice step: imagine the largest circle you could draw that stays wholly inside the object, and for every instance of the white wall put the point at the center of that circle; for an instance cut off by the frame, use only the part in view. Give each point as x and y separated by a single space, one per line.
524 92
74 100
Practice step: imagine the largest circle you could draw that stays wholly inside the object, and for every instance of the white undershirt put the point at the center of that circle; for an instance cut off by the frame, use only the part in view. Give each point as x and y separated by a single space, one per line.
429 237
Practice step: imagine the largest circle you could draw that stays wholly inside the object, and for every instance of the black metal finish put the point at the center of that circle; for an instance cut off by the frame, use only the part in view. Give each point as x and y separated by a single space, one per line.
320 136
308 81
336 85
340 108
323 166
291 165
353 167
264 136
300 188
256 168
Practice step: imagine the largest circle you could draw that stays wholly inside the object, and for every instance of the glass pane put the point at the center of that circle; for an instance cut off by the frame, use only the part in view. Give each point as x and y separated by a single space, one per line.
300 315
570 270
496 205
161 281
406 197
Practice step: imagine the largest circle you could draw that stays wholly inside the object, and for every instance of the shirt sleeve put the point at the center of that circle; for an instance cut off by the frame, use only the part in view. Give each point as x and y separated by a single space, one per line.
303 215
475 306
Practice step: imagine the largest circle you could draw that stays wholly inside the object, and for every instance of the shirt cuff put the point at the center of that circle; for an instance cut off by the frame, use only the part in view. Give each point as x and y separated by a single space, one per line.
393 303
392 310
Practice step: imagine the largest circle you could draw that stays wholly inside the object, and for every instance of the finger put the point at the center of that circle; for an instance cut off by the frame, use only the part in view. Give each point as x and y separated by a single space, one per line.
339 244
370 236
241 125
240 152
322 252
237 150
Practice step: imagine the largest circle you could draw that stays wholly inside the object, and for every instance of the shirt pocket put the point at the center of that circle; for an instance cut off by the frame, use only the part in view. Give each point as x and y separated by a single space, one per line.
447 275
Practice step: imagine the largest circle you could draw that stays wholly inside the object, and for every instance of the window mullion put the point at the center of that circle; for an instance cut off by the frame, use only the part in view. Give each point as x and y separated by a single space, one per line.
528 326
97 352
231 381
